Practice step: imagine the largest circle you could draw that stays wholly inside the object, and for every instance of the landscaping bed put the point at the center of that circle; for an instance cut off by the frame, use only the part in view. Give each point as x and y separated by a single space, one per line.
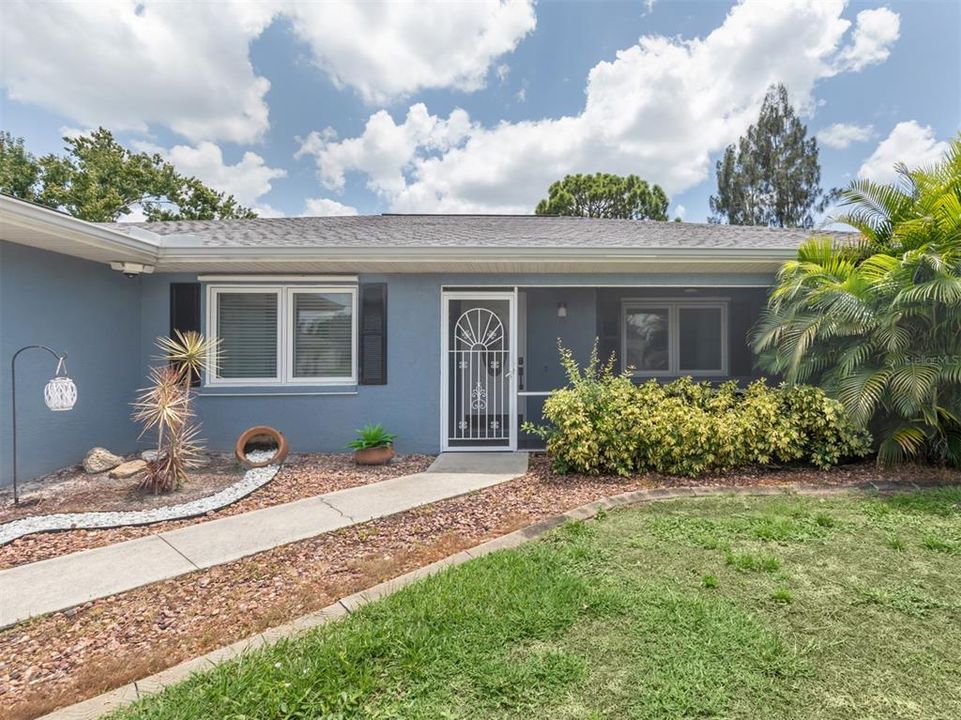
302 476
67 656
72 490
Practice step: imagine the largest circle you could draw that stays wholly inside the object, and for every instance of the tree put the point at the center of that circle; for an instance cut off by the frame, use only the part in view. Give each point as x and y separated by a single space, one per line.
878 323
605 195
19 170
772 177
98 179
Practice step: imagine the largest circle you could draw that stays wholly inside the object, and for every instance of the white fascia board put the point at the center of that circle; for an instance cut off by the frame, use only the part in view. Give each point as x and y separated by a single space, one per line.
44 220
226 255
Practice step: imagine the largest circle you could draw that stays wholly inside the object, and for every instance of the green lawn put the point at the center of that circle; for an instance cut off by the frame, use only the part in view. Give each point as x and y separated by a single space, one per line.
724 607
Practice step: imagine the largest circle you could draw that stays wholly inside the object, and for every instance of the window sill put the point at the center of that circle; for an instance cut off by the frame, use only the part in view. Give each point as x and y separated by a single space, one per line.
275 390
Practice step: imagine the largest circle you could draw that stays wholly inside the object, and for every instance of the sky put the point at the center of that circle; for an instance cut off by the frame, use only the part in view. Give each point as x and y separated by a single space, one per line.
346 107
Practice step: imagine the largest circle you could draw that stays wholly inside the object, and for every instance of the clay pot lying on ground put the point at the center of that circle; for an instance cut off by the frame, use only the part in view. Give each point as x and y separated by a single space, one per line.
261 446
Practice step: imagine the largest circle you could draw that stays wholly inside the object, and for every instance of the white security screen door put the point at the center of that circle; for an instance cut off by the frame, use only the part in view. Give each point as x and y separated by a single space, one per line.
479 393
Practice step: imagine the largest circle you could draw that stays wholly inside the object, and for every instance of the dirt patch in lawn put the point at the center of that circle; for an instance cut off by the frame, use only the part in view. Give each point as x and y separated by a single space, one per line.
46 663
302 476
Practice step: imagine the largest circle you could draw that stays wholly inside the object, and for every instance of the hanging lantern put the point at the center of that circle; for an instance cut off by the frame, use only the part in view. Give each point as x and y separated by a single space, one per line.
60 393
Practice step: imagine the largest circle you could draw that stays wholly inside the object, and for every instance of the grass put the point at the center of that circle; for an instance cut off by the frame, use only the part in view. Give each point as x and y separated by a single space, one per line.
702 608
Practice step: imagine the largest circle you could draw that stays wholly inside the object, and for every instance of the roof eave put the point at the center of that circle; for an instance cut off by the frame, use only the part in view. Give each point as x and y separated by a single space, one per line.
427 256
16 213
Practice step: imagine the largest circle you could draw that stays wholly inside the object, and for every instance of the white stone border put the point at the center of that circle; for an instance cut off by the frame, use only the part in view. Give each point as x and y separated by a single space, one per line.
253 479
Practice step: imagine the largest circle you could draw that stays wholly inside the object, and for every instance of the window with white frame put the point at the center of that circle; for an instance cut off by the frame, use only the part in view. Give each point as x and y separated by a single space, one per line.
669 337
283 334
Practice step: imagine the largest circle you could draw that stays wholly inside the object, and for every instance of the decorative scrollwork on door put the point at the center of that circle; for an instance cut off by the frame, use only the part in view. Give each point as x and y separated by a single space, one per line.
479 329
479 379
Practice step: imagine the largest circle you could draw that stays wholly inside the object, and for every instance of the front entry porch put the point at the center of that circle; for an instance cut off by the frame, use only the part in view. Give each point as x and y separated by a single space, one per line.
500 347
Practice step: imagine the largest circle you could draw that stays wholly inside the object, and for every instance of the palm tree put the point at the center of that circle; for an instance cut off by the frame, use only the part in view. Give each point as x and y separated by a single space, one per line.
877 323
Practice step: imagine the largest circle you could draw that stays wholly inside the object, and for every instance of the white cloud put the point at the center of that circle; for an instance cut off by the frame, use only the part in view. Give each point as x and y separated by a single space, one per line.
680 211
73 132
325 207
521 95
874 33
130 64
248 180
185 66
385 50
660 108
386 150
908 143
840 135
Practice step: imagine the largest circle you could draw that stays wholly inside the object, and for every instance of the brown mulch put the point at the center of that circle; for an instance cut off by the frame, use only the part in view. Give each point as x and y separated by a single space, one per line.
67 656
302 476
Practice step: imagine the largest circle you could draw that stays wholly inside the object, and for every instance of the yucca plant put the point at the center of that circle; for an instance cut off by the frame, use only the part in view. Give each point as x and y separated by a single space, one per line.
165 408
878 323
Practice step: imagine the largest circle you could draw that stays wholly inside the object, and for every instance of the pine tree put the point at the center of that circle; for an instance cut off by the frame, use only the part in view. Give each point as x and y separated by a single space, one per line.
772 177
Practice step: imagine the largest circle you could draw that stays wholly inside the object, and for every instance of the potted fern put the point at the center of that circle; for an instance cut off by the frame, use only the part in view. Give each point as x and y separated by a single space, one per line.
373 445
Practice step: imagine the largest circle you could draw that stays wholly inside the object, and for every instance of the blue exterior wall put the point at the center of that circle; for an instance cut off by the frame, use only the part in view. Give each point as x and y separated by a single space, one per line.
108 324
93 314
323 419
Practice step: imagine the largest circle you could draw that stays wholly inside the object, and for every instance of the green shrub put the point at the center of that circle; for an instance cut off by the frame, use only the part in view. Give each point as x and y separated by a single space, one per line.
604 423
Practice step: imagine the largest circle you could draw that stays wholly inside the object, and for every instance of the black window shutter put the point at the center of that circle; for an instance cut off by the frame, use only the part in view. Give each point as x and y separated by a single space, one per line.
185 310
373 334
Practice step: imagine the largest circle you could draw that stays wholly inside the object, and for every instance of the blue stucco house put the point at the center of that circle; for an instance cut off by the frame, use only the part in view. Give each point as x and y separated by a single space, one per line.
443 328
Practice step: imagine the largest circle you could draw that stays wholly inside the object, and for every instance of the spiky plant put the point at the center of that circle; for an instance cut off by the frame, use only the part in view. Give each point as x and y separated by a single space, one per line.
878 324
190 353
165 408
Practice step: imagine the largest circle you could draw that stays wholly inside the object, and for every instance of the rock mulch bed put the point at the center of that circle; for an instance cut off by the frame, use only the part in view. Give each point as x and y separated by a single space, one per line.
67 656
302 476
71 490
252 480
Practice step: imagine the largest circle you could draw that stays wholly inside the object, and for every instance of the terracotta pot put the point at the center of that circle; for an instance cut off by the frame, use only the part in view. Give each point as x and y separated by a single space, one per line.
374 455
261 434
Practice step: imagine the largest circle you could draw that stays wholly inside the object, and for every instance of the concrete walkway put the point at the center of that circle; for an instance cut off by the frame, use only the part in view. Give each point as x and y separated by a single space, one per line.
60 583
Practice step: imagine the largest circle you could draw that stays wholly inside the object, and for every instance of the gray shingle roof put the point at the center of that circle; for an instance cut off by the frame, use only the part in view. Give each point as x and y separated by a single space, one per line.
465 231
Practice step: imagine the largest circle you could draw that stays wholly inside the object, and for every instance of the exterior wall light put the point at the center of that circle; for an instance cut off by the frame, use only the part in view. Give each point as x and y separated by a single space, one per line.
60 394
562 310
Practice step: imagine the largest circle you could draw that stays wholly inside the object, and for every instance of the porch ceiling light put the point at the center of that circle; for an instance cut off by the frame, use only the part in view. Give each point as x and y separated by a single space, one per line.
562 310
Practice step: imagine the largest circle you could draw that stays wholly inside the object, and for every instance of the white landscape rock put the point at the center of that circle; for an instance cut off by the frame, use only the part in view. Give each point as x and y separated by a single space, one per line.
98 460
259 456
252 480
